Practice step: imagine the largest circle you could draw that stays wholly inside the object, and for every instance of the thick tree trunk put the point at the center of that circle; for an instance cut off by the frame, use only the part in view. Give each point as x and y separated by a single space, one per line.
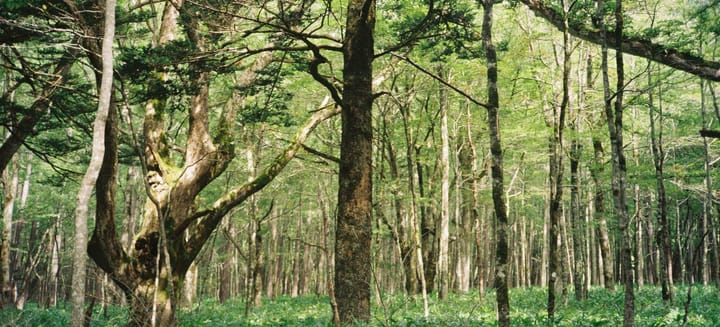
353 235
496 167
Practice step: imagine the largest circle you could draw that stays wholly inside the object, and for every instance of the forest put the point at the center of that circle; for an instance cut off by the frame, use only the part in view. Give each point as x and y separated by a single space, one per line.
359 162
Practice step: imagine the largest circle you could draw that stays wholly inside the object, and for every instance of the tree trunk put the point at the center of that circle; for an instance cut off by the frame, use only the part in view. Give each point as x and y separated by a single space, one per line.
132 209
707 219
415 227
468 206
576 210
93 170
493 106
353 235
190 286
615 130
444 237
658 156
399 231
225 291
555 151
638 216
10 183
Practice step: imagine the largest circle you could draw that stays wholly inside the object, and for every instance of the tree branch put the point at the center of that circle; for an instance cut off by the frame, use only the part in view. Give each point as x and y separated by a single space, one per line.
238 195
674 58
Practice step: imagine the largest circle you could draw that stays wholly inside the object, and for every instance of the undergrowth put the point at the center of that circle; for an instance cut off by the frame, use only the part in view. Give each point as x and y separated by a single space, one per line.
603 308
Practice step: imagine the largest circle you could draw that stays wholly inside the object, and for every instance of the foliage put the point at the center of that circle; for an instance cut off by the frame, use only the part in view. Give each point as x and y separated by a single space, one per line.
603 308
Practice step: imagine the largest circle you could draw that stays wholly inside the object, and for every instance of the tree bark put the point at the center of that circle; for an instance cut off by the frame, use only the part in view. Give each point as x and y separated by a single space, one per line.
581 277
443 263
353 235
615 130
93 170
555 151
10 183
663 233
496 168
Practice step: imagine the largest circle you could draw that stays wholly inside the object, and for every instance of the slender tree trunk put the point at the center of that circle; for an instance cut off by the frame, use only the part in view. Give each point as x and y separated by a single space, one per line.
555 147
663 233
619 183
353 235
715 240
576 210
638 216
10 183
93 170
400 233
602 227
468 205
493 106
225 291
415 227
707 219
444 237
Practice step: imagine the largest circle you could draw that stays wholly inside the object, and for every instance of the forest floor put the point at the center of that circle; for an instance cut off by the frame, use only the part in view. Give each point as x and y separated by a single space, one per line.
603 308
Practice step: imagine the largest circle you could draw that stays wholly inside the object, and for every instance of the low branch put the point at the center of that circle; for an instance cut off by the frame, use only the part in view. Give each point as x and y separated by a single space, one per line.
325 156
439 79
710 133
645 48
238 195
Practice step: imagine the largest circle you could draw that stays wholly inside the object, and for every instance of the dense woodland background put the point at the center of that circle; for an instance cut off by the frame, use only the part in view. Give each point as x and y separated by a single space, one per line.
222 174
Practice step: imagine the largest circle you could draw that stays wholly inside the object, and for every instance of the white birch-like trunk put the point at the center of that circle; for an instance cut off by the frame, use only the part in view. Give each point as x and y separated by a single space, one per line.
444 241
88 182
10 182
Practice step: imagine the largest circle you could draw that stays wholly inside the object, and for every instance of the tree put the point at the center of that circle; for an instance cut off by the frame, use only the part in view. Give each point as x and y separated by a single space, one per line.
555 152
10 183
614 117
682 60
353 233
658 158
93 170
496 168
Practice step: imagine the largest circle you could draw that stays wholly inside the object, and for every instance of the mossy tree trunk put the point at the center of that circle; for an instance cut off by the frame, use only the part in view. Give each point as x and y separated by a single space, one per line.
496 169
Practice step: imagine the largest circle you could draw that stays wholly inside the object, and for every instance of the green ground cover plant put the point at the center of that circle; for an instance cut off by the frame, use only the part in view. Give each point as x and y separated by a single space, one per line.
603 308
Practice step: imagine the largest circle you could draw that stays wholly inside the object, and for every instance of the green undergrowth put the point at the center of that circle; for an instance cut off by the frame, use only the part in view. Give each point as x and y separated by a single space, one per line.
603 308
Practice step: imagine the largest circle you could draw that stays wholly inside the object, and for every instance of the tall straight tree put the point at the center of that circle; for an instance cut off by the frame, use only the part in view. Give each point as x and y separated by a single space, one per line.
444 237
496 169
615 130
576 212
93 170
658 156
10 183
353 234
555 151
